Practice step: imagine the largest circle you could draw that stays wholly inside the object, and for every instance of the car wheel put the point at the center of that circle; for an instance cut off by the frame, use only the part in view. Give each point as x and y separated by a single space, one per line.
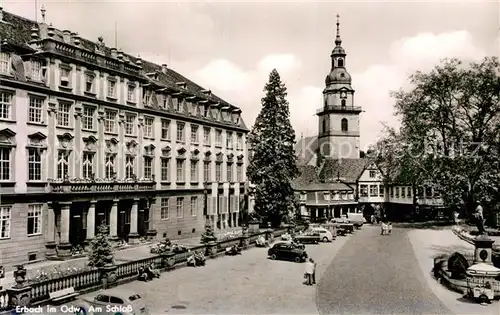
274 257
325 239
297 259
483 299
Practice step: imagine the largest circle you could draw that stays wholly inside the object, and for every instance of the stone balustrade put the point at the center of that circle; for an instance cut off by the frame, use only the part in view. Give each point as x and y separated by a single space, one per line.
85 186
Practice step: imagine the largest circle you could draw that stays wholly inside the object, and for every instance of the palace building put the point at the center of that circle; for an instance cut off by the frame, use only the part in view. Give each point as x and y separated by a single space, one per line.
90 136
334 179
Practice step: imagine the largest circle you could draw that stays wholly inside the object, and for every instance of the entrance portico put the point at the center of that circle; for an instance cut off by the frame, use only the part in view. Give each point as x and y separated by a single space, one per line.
70 224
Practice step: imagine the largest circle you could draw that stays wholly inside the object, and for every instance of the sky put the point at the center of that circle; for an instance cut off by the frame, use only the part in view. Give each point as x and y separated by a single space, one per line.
231 46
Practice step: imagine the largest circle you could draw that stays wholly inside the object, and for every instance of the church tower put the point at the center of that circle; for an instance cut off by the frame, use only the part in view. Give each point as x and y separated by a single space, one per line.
338 136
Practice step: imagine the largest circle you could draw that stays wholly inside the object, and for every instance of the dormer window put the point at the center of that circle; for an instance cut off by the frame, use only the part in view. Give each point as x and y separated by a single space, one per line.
4 62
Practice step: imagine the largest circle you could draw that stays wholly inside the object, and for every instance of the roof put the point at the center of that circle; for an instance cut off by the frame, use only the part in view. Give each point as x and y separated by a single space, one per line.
305 150
347 170
307 174
325 187
16 31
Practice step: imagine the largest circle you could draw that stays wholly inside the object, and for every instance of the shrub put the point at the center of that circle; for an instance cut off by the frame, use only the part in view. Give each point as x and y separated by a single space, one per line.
457 265
101 251
209 234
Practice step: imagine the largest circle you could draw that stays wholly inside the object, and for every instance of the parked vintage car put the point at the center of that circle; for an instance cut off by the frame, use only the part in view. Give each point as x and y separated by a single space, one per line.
324 234
110 302
342 225
310 237
287 251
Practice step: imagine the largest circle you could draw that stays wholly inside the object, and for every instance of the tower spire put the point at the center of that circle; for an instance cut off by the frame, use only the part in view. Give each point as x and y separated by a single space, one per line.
338 41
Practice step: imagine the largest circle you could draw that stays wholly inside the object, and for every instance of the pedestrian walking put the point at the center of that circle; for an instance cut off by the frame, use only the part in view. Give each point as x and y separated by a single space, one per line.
389 228
455 217
309 270
314 271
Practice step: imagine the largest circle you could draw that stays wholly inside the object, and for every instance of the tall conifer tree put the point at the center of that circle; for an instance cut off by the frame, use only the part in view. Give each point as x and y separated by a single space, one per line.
273 163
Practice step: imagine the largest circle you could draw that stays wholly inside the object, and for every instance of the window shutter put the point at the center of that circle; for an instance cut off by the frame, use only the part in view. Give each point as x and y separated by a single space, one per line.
214 205
200 205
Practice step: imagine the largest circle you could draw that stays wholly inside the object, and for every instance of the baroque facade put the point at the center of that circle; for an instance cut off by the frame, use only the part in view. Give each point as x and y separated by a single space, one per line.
90 135
334 180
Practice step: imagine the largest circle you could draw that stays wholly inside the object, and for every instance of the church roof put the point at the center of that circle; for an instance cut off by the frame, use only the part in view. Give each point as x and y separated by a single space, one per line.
305 150
347 170
308 175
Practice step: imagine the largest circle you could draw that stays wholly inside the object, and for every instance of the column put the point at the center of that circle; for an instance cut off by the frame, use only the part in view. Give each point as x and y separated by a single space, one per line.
64 247
134 216
50 233
113 220
153 204
91 220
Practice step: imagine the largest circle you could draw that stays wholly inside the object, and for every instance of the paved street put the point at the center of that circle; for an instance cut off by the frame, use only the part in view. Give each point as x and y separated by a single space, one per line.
245 284
376 274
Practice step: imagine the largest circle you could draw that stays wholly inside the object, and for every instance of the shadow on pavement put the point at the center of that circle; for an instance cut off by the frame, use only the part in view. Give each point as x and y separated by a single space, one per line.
432 225
450 249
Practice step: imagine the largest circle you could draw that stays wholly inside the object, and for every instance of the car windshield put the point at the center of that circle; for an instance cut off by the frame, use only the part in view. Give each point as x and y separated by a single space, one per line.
134 297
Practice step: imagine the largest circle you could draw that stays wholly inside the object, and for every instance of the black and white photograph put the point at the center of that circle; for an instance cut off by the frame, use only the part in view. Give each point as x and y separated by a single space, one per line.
249 157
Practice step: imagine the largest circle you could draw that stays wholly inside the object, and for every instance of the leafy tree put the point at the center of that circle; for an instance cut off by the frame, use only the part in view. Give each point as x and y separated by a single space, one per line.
273 163
209 235
450 132
101 251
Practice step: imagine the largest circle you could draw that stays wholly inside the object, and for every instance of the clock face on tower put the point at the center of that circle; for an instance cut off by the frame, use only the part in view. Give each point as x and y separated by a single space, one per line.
343 94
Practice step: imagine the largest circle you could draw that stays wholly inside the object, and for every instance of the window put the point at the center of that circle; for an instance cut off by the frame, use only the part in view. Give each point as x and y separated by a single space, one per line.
63 114
373 190
148 167
148 127
34 219
323 126
131 93
206 136
180 170
110 121
129 166
381 190
239 142
110 165
341 62
129 124
428 192
363 190
194 206
65 77
194 171
180 206
35 110
408 192
194 133
344 124
34 164
88 118
165 170
177 105
5 105
115 300
391 192
396 193
111 89
165 129
342 103
239 172
36 70
5 163
218 172
229 140
88 165
373 173
180 132
4 63
62 164
229 172
89 83
5 221
218 137
206 171
205 111
403 192
164 215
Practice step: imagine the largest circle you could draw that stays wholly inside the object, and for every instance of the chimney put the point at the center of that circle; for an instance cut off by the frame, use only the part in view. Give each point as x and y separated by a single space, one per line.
138 62
207 92
66 36
113 52
120 55
50 30
164 68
